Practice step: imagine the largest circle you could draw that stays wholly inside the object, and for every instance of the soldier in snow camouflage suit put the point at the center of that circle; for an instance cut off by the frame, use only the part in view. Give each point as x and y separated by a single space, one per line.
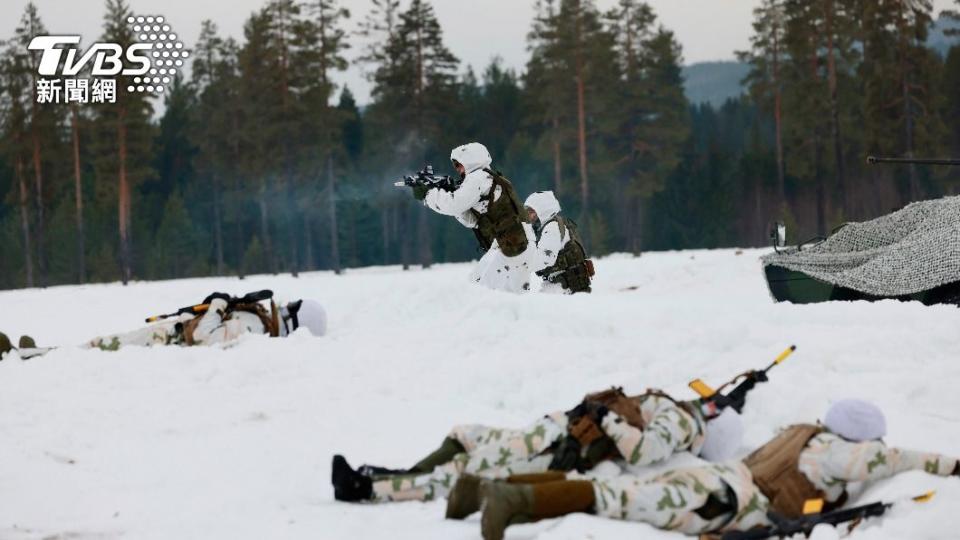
805 461
220 324
498 453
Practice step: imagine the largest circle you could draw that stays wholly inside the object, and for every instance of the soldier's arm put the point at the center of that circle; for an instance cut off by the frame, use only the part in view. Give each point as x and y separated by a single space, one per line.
468 220
548 247
211 323
455 203
669 431
873 460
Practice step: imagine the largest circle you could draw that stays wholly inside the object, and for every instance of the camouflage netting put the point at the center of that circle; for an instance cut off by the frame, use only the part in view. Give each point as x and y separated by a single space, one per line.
911 250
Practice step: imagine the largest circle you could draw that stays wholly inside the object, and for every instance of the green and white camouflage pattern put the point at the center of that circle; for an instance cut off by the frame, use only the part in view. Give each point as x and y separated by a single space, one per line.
670 500
216 326
490 453
831 462
670 428
161 333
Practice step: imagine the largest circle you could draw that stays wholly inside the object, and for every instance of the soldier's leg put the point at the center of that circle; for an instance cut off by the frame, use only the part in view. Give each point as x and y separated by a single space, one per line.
510 452
449 449
157 334
466 498
463 438
418 487
507 504
691 501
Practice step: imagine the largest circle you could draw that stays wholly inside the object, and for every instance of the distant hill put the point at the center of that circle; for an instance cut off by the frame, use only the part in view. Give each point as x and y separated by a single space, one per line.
714 82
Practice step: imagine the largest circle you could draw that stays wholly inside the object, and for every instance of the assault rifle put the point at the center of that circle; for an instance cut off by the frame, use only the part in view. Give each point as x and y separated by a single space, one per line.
873 160
737 397
196 309
785 527
426 178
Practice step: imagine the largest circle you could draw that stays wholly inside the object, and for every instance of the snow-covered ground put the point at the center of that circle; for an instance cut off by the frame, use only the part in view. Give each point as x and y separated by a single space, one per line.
177 443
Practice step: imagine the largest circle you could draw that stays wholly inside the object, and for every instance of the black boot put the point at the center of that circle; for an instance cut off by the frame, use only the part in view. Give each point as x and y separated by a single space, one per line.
348 484
5 345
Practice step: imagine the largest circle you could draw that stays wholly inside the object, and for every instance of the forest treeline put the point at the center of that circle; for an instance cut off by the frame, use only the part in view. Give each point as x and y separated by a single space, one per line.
261 163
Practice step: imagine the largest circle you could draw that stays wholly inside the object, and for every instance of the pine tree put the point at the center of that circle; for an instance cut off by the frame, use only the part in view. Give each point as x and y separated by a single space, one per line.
125 136
653 122
214 77
572 48
326 43
413 87
765 79
14 93
258 101
41 128
900 79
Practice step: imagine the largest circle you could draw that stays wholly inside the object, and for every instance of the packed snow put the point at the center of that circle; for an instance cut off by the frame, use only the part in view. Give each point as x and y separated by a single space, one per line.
236 443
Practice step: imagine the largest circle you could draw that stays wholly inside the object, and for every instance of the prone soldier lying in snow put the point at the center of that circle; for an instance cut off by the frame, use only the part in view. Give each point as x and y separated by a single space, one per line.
803 462
639 431
220 318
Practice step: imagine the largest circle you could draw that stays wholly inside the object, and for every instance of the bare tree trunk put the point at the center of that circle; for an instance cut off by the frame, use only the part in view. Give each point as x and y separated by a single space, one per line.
25 221
78 194
914 188
334 227
835 109
352 237
385 231
406 238
557 162
265 228
123 202
218 221
308 261
778 120
582 127
237 188
41 221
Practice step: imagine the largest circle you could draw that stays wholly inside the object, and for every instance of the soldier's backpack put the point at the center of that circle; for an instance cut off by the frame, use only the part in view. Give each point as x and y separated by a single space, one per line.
572 269
503 219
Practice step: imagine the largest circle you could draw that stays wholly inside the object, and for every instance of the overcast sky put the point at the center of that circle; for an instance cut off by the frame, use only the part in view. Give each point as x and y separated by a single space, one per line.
475 30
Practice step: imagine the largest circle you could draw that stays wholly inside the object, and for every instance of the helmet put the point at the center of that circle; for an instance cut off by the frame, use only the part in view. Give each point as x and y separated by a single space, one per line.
473 156
723 436
544 203
307 314
856 420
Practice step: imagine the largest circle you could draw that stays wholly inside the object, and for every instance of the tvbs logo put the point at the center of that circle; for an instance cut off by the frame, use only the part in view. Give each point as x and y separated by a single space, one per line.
107 57
149 63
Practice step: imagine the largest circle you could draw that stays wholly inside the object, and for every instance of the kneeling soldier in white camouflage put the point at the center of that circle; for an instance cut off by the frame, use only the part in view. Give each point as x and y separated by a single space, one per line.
639 430
804 462
558 255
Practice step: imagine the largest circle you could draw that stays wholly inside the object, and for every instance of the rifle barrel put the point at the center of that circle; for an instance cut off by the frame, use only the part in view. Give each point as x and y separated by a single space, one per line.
873 160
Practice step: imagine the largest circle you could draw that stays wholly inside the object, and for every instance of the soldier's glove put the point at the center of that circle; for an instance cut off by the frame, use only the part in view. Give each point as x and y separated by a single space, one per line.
222 296
566 455
420 192
594 410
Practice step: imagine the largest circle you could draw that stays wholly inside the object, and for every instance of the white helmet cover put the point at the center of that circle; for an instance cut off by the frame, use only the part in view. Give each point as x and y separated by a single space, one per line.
856 420
311 316
473 156
544 203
